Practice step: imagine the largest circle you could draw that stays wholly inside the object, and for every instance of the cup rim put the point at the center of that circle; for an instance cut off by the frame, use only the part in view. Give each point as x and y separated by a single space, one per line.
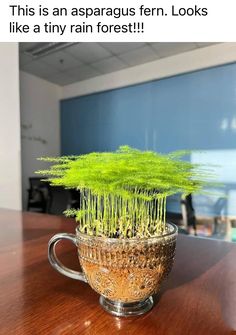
129 240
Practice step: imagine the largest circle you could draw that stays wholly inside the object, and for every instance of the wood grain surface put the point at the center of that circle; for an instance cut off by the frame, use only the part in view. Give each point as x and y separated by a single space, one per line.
199 297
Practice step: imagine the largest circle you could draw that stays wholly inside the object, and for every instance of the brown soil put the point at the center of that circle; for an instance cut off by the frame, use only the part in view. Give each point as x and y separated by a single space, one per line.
127 274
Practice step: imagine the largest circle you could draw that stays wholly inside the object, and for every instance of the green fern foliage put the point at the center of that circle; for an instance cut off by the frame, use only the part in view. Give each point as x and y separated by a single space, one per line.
123 193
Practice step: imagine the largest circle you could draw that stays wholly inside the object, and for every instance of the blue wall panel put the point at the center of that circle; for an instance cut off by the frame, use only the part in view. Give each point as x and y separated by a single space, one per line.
190 111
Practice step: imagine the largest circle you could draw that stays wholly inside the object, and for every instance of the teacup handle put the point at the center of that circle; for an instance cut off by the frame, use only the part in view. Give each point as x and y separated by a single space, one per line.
54 261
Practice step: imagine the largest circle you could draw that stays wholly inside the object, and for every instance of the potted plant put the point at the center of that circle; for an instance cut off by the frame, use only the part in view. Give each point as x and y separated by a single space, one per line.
125 246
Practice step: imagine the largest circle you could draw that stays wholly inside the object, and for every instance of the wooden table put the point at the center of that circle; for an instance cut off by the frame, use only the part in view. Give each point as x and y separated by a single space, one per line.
199 296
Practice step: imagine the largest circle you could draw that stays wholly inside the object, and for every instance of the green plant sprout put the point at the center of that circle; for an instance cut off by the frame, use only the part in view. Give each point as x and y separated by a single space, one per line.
123 193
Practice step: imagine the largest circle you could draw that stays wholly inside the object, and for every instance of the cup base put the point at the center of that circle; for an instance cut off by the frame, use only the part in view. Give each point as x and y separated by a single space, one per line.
126 309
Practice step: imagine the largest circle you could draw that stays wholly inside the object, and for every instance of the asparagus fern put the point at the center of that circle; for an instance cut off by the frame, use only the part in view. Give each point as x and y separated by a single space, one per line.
123 193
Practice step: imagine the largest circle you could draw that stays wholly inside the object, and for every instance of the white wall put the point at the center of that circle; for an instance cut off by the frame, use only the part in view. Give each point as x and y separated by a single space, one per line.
40 124
10 165
210 56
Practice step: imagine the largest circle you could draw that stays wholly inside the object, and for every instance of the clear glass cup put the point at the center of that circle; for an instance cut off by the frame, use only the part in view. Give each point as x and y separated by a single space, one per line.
125 272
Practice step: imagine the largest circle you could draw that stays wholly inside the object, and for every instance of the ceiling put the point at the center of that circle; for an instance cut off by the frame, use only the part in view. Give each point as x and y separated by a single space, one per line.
82 61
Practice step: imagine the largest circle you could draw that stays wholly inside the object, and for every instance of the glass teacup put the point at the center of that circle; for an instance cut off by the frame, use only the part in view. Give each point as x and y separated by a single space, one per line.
125 272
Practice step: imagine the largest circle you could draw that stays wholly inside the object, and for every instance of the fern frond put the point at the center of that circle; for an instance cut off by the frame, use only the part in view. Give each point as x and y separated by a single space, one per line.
126 188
